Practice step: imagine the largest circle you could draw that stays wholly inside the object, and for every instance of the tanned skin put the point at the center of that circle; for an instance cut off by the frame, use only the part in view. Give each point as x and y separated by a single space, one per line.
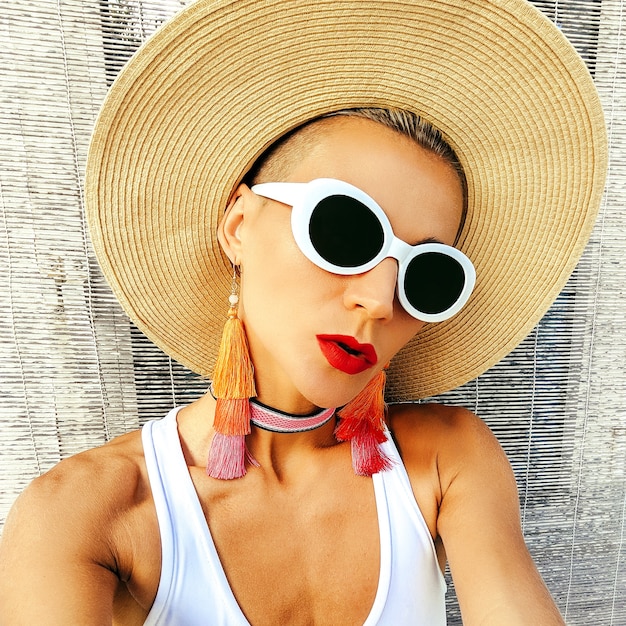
81 545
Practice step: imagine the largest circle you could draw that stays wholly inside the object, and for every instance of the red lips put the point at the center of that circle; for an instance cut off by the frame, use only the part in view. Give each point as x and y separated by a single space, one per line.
346 354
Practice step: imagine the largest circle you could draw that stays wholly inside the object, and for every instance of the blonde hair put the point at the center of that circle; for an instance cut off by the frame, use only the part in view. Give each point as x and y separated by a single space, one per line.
275 163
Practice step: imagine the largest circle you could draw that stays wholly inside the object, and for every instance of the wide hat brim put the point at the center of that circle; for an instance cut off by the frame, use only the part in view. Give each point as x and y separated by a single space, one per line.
205 95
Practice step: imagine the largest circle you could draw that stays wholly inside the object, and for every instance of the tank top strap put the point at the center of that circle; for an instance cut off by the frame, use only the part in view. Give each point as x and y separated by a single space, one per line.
193 589
417 587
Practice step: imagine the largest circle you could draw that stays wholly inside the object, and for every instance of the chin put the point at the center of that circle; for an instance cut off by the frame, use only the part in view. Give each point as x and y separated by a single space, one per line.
334 395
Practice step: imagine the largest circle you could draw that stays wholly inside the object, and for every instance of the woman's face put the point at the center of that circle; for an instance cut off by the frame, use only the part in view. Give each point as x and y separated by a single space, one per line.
290 307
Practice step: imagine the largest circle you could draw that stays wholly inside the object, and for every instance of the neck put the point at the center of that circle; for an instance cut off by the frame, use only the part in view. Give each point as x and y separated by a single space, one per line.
278 420
290 454
284 442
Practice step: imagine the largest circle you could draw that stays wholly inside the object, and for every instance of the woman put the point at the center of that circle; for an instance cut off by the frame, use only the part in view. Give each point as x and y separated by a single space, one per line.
286 522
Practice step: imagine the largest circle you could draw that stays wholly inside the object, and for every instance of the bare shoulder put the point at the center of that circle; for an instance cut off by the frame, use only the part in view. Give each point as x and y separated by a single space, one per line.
66 528
427 437
451 434
81 493
92 483
477 515
461 448
413 418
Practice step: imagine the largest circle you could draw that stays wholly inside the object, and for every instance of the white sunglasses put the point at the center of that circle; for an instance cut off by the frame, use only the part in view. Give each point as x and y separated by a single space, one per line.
344 231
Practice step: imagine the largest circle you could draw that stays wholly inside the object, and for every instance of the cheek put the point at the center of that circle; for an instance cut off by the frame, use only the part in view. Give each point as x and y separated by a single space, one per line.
406 327
277 279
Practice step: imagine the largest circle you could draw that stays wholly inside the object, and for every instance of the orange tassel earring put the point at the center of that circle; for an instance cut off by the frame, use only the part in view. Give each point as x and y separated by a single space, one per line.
362 422
232 387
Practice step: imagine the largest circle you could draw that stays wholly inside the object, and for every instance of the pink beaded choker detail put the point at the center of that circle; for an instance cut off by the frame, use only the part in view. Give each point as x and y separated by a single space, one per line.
279 422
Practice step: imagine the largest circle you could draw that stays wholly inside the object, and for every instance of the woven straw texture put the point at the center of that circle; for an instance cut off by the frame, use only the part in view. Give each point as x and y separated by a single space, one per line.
191 112
74 371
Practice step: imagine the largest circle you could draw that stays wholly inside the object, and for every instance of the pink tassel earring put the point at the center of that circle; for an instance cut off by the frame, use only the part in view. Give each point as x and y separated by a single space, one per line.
232 386
362 422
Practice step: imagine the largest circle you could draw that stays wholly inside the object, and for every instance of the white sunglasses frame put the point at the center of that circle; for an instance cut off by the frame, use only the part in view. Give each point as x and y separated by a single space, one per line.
304 198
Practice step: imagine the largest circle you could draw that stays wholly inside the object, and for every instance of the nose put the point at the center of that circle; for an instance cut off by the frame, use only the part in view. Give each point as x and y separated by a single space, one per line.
374 291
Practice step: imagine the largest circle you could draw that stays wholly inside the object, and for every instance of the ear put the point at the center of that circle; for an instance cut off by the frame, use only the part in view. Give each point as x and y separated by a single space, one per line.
229 229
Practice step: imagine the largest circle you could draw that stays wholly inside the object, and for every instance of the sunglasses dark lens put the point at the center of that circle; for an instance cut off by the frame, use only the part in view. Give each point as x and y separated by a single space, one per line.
433 282
345 232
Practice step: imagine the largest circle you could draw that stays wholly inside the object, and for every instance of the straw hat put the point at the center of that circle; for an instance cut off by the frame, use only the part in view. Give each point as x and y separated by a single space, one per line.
221 81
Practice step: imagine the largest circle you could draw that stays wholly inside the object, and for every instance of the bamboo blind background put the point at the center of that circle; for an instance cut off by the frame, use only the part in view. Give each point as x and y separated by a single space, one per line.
74 372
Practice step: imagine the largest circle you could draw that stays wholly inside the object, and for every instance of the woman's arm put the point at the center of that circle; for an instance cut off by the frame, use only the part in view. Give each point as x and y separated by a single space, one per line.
478 521
495 578
56 563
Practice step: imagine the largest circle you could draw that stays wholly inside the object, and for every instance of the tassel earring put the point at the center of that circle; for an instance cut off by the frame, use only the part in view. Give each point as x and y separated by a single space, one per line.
362 422
232 387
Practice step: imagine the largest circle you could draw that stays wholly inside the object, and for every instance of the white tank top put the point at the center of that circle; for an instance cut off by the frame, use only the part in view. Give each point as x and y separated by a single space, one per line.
193 589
